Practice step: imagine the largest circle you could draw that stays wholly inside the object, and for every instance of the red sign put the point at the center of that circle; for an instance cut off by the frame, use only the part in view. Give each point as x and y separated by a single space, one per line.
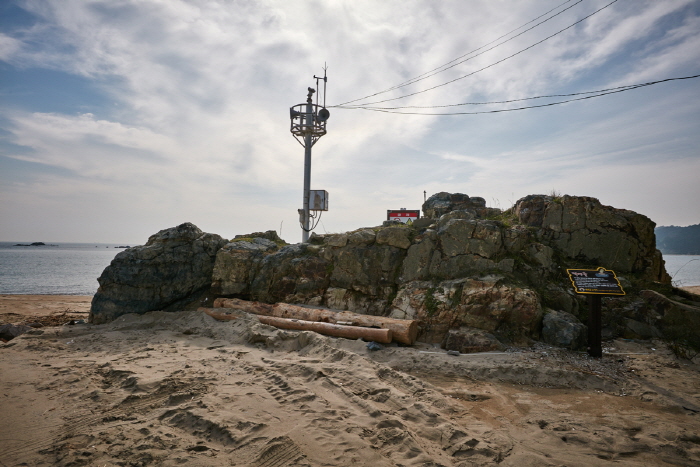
403 215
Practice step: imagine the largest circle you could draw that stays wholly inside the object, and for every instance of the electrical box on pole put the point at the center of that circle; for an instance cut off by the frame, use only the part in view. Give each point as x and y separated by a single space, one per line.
308 124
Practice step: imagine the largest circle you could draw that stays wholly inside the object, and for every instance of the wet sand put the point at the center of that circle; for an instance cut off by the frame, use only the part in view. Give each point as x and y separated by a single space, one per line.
167 389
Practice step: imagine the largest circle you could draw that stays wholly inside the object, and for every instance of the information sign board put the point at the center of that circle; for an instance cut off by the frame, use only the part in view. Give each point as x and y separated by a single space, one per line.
599 281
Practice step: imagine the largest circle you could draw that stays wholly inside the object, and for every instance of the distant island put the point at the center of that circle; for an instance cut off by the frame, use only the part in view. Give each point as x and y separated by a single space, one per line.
673 240
31 244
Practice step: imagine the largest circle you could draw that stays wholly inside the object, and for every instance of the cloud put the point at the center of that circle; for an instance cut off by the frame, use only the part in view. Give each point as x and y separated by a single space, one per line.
9 47
198 95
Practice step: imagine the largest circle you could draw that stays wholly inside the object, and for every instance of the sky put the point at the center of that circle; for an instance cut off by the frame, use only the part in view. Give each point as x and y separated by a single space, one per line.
120 118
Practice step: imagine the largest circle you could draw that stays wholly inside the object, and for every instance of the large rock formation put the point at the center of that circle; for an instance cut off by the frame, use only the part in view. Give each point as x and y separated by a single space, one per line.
467 267
582 229
171 271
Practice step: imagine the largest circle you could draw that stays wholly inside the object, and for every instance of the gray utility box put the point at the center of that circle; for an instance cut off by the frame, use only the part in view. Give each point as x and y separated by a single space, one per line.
318 200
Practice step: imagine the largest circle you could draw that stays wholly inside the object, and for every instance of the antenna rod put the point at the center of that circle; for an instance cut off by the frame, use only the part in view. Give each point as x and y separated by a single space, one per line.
325 81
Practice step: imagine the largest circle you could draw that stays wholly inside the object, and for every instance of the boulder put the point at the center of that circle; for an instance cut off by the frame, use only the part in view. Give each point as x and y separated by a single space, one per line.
511 313
398 236
469 340
366 266
172 271
564 330
443 203
10 331
237 264
582 229
270 235
293 274
675 320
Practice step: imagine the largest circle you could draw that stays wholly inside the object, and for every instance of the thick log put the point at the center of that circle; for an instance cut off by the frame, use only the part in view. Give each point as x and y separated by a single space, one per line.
403 330
382 336
222 314
257 308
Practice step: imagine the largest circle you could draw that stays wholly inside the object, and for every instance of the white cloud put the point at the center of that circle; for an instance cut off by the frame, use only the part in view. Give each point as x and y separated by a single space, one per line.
9 47
201 91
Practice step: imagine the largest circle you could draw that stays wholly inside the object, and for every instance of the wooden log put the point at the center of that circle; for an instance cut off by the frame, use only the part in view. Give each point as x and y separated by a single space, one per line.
382 336
403 330
257 308
222 314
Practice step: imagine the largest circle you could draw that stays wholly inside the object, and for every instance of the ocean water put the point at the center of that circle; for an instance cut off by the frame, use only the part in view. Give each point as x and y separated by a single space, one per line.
73 268
54 269
683 269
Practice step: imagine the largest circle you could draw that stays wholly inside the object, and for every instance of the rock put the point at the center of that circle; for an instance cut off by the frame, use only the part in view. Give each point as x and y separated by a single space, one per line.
368 268
420 256
339 240
10 331
362 237
237 264
564 330
397 236
531 209
639 330
462 265
422 223
442 203
293 274
511 313
374 346
173 268
270 235
583 229
677 321
469 340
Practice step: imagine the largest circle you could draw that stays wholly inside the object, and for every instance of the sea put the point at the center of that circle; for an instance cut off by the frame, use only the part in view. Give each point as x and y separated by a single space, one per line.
683 269
73 268
54 268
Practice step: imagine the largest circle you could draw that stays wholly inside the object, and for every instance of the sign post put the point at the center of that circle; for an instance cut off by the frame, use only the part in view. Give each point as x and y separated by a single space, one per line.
595 283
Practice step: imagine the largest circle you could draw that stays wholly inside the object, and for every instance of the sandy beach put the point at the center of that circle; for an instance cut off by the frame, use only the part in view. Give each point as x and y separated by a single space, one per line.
167 389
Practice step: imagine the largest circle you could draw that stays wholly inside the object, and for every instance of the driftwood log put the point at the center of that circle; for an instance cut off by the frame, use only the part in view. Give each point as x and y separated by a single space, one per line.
382 336
402 330
222 314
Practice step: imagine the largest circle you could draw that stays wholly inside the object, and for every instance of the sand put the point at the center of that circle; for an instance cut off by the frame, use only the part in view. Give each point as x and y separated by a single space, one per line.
692 289
171 389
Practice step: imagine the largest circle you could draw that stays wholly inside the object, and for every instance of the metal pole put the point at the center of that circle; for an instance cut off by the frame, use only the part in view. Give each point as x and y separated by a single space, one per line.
595 348
307 168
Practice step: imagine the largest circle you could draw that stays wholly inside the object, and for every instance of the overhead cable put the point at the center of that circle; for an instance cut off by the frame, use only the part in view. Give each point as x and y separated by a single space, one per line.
601 92
452 64
493 64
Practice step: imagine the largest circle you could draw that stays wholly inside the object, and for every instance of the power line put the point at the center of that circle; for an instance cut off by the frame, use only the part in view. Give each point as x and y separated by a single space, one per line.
493 64
452 64
629 86
601 92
